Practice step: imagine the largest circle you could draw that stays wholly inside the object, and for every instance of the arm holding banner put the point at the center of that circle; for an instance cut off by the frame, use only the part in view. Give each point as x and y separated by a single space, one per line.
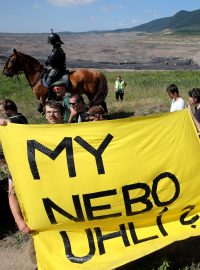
4 122
15 209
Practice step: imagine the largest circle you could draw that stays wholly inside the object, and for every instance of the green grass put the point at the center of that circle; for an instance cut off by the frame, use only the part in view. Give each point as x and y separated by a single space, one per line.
146 90
145 94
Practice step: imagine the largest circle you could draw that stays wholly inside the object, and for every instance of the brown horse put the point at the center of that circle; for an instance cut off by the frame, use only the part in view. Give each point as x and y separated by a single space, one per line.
92 83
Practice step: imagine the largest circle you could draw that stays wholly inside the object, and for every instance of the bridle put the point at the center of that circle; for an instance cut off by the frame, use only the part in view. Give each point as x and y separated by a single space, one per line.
12 72
23 69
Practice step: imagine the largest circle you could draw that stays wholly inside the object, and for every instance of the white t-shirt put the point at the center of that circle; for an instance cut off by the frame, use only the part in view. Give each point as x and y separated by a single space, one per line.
177 105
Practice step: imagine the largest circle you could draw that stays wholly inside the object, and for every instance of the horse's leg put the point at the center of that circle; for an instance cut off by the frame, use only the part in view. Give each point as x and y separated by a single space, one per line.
41 92
42 101
104 105
40 108
92 103
99 90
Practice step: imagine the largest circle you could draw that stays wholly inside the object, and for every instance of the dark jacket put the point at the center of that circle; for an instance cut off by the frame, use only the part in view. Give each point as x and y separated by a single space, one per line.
57 59
18 119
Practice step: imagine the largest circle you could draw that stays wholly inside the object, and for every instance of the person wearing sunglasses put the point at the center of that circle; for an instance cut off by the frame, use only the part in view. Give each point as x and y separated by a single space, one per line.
78 109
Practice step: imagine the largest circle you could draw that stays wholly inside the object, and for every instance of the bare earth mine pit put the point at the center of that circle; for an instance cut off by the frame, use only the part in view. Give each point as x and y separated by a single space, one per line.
112 50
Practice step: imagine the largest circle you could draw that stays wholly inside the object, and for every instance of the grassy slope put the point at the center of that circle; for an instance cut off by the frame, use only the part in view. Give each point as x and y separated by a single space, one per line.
145 94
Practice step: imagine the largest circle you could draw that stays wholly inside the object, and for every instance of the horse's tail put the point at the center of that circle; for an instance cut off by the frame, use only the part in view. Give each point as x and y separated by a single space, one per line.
102 91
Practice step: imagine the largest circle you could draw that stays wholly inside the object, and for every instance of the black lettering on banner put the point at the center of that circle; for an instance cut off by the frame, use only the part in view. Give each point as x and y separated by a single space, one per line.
134 235
68 248
190 221
89 208
159 222
101 238
155 186
49 206
66 143
142 199
96 153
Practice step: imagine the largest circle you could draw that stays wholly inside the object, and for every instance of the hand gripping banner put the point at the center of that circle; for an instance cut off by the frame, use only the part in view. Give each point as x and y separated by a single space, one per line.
102 194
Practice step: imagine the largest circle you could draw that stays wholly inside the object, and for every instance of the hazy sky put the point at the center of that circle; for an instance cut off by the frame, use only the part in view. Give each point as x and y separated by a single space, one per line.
38 16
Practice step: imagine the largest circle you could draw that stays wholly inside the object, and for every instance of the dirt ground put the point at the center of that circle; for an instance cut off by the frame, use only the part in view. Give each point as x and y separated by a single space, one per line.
111 50
16 253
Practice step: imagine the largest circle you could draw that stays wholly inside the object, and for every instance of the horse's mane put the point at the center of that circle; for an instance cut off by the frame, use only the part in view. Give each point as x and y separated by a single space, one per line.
29 58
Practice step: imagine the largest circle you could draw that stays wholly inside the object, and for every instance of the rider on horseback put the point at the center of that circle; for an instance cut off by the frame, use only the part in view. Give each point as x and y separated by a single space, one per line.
56 60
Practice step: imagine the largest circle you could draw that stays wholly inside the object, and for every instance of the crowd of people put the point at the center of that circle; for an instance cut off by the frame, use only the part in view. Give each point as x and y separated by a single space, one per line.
69 109
55 113
73 109
178 103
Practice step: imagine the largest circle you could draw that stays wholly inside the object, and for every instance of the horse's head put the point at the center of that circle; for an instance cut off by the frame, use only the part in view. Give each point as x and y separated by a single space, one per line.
14 65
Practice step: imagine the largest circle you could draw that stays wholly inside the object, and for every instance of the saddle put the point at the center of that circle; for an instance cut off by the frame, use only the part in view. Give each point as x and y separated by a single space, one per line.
52 73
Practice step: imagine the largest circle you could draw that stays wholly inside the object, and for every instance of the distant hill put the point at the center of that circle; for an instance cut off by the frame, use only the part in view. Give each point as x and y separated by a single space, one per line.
183 21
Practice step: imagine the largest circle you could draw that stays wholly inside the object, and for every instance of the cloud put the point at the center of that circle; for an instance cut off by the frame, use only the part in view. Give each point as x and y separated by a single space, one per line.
67 3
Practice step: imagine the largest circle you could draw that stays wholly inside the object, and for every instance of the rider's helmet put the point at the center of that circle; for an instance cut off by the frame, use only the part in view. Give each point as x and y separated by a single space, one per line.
54 38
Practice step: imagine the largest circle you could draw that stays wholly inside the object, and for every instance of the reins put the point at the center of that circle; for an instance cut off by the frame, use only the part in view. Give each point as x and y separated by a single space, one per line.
20 84
27 72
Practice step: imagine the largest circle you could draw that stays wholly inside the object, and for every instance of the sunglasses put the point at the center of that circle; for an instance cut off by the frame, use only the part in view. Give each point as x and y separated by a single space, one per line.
74 104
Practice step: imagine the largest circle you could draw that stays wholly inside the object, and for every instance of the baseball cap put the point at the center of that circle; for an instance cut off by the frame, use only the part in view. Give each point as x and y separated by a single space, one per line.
64 81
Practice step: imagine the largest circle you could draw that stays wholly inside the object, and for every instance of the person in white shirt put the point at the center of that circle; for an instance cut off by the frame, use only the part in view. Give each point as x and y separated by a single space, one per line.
177 102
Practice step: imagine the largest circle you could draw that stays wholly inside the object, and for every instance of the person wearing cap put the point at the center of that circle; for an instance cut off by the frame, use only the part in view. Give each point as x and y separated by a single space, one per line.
56 60
74 105
60 88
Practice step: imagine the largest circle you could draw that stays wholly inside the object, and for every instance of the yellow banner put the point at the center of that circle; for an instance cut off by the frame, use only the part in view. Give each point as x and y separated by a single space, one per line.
102 194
